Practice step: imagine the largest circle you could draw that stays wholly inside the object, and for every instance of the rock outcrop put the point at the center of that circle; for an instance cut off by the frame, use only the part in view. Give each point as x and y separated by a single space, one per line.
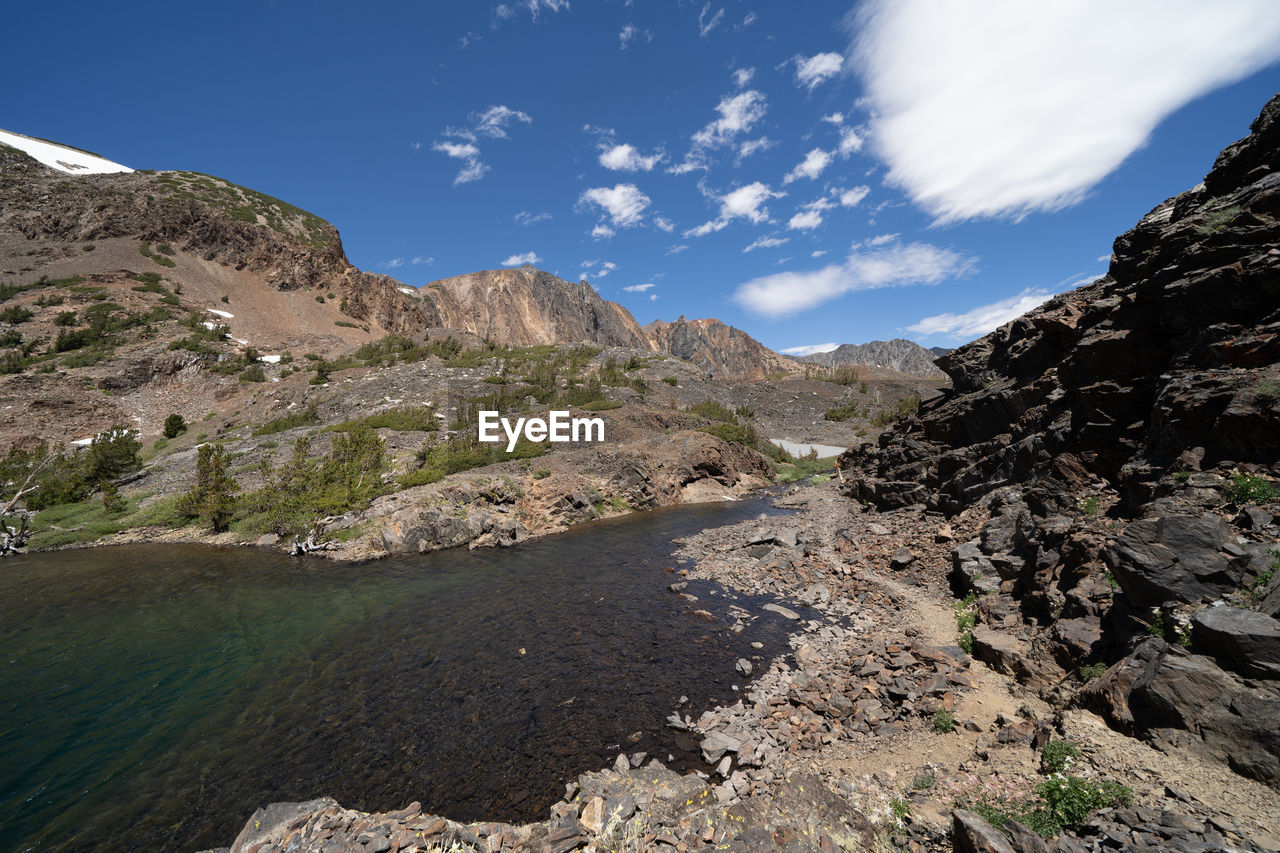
525 306
726 353
1125 439
898 354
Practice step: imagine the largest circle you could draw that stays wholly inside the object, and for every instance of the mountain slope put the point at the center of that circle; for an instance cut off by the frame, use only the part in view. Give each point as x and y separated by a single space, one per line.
898 354
726 353
526 306
63 158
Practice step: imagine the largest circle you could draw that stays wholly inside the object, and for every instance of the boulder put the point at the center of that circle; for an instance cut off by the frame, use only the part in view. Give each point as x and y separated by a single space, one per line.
1175 558
972 834
1242 640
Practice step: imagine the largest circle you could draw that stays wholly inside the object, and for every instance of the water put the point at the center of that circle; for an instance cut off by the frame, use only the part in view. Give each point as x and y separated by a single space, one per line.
156 695
796 448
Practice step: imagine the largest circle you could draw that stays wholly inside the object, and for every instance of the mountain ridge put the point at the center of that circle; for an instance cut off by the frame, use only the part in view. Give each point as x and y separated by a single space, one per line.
897 354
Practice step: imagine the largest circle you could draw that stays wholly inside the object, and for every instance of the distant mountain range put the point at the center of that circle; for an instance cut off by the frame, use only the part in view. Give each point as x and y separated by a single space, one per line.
898 354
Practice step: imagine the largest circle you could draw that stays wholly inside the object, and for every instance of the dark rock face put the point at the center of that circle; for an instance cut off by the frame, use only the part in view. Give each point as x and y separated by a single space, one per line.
898 354
1173 349
1157 389
726 353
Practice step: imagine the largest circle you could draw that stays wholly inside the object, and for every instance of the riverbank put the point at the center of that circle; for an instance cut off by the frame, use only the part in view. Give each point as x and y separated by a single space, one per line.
867 736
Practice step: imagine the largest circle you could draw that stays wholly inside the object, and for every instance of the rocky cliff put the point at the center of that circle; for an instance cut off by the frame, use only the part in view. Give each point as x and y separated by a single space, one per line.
898 354
526 306
726 353
1125 440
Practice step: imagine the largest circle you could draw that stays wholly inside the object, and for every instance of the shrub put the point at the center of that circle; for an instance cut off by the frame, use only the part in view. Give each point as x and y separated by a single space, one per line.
174 425
944 721
713 411
1088 506
1058 756
843 412
65 318
1068 800
671 380
303 418
1090 671
16 314
253 373
542 473
1250 488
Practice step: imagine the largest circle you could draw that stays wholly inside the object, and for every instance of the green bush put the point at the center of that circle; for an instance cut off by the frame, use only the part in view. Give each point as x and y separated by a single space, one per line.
542 473
713 411
65 318
462 453
1058 756
671 380
16 314
212 496
402 419
1089 672
303 418
1249 488
944 721
253 373
844 412
174 425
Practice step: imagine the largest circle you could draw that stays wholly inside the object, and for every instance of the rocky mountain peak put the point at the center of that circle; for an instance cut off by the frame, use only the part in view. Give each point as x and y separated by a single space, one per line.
898 354
726 353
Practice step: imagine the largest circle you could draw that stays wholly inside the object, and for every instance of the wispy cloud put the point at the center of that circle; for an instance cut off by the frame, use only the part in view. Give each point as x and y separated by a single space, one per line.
985 318
786 293
743 76
469 154
708 21
491 123
813 70
768 242
808 349
394 263
810 215
526 258
507 11
677 249
737 114
640 288
746 202
1026 125
596 269
851 197
630 33
422 259
526 218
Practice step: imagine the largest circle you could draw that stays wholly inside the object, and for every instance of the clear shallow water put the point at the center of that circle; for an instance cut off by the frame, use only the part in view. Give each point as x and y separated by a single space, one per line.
156 695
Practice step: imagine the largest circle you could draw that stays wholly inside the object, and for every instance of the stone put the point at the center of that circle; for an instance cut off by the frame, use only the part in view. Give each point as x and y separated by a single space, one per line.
1177 557
593 815
622 764
902 558
743 666
716 744
878 529
1243 640
972 834
782 611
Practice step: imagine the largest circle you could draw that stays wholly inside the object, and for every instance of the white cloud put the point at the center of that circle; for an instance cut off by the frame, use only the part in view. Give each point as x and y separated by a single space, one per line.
526 258
706 25
664 224
602 231
1106 259
639 288
596 269
808 349
743 76
506 11
737 115
882 239
415 145
524 217
625 158
1007 108
473 170
494 121
834 118
624 203
817 253
850 198
675 250
982 319
394 263
813 70
630 33
751 146
653 297
419 259
810 215
746 202
810 167
766 243
787 293
850 142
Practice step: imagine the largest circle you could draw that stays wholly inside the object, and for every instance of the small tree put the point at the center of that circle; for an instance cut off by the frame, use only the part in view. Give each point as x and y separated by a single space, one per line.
212 496
174 425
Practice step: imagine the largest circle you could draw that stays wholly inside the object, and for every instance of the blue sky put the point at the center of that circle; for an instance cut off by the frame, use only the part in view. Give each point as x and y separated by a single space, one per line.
811 172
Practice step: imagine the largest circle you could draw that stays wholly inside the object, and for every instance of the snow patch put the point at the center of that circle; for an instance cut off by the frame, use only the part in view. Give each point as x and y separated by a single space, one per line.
225 314
409 290
60 157
269 359
240 342
795 448
83 442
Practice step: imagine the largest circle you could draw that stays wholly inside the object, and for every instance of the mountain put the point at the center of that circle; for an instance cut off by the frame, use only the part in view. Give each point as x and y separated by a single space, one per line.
726 353
898 354
1124 440
526 306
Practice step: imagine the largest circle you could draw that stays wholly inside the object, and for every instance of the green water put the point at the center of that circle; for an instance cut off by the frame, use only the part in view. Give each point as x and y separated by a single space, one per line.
155 695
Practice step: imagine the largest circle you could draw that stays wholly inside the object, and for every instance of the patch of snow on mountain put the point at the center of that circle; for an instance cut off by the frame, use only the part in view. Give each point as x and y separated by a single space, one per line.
60 157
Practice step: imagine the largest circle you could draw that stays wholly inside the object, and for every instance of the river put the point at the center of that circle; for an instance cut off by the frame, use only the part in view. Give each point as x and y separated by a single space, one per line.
156 695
